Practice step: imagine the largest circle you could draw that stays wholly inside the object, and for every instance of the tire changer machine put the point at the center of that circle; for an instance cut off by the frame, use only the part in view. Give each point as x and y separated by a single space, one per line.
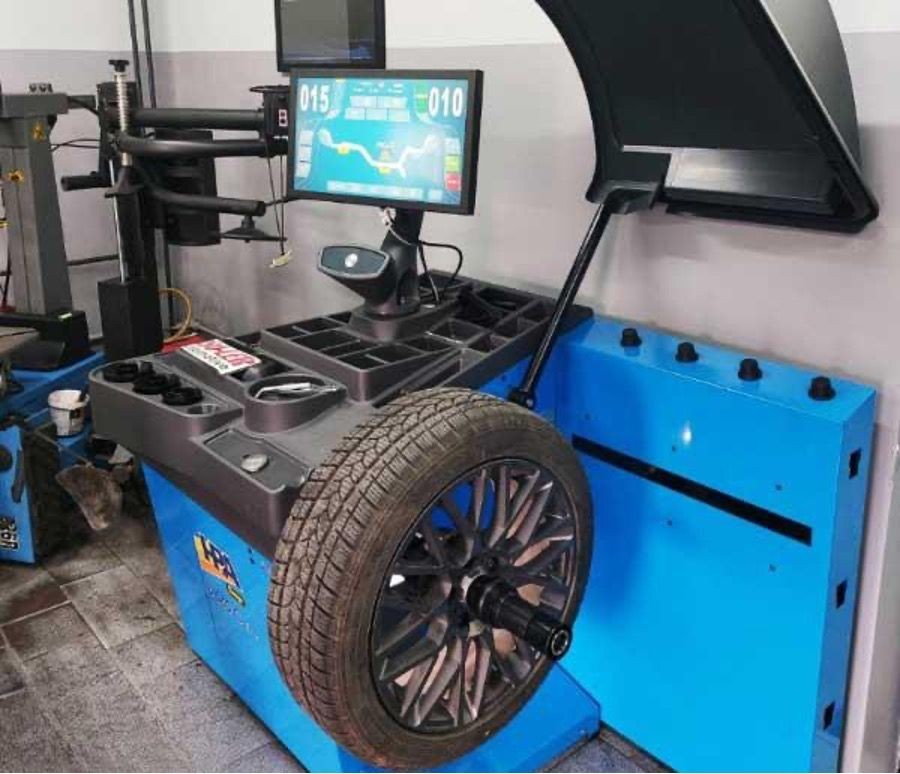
456 526
44 343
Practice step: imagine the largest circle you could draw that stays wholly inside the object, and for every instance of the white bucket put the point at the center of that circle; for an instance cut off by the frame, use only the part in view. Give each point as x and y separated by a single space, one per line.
68 411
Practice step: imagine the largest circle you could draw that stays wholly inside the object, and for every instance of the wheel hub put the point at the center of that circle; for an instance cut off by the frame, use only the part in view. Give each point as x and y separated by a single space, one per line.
476 598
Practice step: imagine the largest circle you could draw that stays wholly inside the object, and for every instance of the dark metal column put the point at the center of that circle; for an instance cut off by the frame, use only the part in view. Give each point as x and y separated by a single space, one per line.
36 242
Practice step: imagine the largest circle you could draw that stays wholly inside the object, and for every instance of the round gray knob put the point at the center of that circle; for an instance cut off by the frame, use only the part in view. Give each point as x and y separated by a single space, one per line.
254 463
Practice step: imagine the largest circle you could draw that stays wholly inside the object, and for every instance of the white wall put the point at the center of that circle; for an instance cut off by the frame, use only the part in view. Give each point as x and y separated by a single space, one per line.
185 26
63 25
231 25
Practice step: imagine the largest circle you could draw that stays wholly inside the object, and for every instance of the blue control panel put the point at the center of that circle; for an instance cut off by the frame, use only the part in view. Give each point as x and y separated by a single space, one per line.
384 140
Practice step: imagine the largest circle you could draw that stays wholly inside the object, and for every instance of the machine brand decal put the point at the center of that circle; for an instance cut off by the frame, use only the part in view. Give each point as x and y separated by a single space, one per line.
214 561
222 357
9 534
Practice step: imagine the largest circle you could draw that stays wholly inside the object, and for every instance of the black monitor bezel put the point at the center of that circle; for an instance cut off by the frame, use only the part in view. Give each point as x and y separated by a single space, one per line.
378 62
475 79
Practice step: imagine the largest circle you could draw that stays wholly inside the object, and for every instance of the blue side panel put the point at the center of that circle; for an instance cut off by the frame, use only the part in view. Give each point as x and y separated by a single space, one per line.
16 540
29 406
711 638
223 609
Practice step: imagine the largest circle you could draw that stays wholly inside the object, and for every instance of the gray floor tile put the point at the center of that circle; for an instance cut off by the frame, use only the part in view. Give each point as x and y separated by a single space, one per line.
147 659
11 676
26 590
211 743
30 741
188 694
111 728
117 606
48 631
650 765
160 586
69 669
81 561
597 756
272 757
207 723
617 741
135 541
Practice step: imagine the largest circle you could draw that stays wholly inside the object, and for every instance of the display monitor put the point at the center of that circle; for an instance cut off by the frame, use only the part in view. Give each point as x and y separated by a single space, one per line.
405 139
336 33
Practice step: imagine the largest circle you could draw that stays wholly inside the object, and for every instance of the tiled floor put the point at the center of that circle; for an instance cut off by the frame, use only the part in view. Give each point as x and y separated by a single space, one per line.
95 674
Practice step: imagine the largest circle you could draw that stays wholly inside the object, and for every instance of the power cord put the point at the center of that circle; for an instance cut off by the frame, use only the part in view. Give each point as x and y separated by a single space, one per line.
280 219
420 244
82 143
183 330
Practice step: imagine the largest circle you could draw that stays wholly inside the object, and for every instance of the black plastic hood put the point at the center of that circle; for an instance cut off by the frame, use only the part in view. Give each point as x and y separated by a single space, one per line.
728 108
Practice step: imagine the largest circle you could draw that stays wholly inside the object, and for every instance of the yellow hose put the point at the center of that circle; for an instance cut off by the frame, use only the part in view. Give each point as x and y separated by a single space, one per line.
183 331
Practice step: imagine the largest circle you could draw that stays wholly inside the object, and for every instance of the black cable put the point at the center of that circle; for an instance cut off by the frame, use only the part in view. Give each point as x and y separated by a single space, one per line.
77 143
278 222
454 248
283 173
434 289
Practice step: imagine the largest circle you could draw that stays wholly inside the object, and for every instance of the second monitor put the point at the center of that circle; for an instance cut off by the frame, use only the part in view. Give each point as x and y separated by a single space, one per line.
406 139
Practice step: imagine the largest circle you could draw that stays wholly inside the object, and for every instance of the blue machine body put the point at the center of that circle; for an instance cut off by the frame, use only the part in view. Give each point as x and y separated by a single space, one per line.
21 413
223 606
718 619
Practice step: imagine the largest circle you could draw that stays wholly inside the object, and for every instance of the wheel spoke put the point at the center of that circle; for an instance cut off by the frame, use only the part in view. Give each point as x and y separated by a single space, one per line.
555 530
395 600
392 667
529 522
498 659
546 558
463 525
524 492
480 677
418 679
523 656
435 544
407 625
441 682
479 490
457 697
552 588
501 508
408 568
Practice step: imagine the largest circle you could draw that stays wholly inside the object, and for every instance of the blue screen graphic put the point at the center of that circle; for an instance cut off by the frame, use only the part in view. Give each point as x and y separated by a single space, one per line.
397 140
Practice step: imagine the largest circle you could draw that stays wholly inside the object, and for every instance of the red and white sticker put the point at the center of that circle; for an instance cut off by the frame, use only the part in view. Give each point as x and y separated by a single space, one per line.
221 356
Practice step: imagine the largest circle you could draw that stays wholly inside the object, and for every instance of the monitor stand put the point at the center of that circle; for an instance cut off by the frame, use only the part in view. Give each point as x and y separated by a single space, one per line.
402 245
388 281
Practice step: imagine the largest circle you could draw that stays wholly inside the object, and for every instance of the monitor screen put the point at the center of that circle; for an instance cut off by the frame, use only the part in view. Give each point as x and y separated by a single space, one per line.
337 33
389 138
